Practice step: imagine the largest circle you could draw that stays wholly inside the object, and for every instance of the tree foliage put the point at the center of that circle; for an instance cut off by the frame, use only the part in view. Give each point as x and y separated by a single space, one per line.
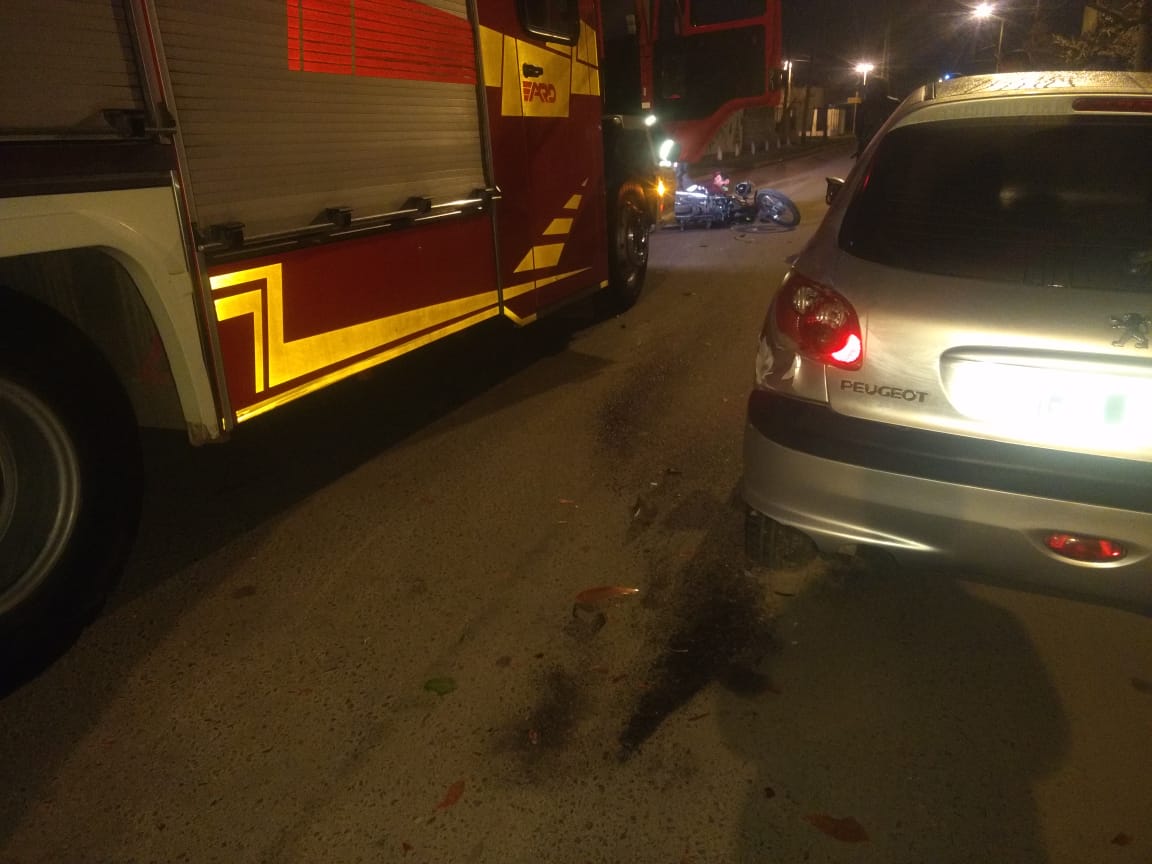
1117 41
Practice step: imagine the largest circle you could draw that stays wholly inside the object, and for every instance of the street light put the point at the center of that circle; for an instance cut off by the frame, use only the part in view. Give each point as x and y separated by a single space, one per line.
862 69
985 10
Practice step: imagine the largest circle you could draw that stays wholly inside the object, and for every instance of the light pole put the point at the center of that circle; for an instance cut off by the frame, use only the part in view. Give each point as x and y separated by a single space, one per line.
985 10
788 104
862 69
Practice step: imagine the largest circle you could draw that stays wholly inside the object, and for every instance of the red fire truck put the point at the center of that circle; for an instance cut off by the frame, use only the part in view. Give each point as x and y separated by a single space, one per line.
711 70
211 209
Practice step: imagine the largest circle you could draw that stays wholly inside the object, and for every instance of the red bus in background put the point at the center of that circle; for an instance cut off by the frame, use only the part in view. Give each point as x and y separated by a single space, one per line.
711 71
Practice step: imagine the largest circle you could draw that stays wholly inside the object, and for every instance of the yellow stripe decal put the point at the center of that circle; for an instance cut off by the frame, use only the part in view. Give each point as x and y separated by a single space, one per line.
543 256
252 304
526 287
347 371
565 71
290 360
492 56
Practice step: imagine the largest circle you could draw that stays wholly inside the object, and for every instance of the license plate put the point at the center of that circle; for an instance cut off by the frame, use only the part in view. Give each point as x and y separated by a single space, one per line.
1052 404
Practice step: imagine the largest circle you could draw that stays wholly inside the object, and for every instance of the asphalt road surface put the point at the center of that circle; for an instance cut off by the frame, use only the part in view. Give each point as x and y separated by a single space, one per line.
389 624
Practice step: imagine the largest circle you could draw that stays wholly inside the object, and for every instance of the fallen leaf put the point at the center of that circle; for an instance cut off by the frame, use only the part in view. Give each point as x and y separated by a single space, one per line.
565 501
452 795
1121 840
846 830
533 737
440 686
604 593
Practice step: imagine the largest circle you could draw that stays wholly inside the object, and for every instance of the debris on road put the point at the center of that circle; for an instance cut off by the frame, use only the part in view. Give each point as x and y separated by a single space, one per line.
440 686
846 830
603 594
455 791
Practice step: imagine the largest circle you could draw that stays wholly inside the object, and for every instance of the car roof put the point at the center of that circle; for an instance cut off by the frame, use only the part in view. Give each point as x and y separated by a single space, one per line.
956 93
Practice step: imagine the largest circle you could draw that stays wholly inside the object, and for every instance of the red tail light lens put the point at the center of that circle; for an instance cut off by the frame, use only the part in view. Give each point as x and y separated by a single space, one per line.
1127 104
1080 548
817 322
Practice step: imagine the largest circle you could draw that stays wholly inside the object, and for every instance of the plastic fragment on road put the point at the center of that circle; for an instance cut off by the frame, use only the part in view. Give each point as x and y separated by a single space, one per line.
454 793
440 686
846 830
603 594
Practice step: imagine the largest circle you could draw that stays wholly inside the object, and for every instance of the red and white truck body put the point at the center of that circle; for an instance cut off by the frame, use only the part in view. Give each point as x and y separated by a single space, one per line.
230 205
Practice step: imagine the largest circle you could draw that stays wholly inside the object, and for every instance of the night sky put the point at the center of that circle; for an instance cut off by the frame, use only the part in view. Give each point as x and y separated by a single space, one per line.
927 38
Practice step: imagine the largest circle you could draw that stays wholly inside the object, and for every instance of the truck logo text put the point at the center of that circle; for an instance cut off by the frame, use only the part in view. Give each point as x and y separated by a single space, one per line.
884 390
534 90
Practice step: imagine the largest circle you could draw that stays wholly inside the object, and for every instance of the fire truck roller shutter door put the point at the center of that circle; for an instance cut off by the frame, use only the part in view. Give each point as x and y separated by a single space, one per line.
286 109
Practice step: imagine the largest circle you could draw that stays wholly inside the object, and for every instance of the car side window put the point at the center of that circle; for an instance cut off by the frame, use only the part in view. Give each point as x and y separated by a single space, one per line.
552 20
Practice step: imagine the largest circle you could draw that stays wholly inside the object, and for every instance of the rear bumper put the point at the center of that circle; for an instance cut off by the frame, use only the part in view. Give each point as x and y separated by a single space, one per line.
931 507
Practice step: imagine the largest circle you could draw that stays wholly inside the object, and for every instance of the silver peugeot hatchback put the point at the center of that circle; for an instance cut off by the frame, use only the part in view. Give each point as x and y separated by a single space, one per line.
957 368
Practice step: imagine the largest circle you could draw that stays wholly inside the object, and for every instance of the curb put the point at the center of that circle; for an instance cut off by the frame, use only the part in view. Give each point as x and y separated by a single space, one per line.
702 170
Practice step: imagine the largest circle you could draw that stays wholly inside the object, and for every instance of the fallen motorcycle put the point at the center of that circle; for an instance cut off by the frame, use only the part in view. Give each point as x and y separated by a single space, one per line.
707 206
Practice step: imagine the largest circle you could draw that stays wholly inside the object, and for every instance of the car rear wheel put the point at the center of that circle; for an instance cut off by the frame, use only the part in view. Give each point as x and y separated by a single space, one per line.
775 546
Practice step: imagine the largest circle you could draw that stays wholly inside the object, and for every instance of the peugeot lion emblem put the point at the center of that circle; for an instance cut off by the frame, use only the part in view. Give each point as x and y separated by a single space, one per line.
1135 326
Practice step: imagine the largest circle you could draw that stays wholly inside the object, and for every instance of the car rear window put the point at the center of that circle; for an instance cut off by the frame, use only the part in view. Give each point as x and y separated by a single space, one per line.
1047 201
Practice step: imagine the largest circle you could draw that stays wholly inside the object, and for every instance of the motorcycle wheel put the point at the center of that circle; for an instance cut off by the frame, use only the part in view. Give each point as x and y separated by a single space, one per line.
778 208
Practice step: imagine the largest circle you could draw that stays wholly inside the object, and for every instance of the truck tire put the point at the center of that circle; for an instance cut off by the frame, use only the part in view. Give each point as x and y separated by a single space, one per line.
629 224
70 482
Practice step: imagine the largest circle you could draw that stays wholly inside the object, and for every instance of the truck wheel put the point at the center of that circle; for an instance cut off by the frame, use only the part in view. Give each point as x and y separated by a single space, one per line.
775 546
70 481
629 224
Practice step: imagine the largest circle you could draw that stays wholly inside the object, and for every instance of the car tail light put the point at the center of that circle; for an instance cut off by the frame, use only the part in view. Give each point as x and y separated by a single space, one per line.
1096 550
818 322
1113 104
